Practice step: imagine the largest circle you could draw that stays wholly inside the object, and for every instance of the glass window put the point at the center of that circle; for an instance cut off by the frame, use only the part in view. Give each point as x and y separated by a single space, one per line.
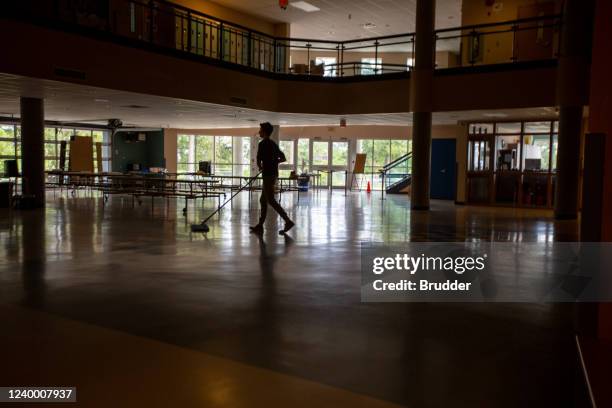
320 153
508 128
370 66
7 149
98 136
64 134
381 152
223 150
537 127
536 152
286 146
367 147
204 148
507 152
398 148
553 159
6 132
481 128
338 179
49 134
303 155
50 150
339 154
329 65
182 151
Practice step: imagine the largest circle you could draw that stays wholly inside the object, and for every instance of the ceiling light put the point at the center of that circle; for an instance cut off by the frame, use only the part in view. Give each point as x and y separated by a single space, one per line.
495 115
304 6
101 100
369 26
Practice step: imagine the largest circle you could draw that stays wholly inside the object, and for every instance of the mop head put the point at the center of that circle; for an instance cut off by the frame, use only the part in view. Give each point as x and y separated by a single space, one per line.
199 228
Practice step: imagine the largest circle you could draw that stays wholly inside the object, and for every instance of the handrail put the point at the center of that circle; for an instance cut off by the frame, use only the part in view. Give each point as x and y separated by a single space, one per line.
192 32
507 22
395 162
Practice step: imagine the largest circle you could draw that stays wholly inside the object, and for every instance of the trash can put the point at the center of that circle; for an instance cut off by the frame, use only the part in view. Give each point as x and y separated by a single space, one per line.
303 182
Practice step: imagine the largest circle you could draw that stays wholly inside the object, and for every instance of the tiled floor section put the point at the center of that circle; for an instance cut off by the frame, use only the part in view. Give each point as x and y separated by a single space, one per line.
289 305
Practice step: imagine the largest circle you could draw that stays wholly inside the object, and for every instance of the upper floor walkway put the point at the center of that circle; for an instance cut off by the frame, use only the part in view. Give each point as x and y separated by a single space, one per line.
164 49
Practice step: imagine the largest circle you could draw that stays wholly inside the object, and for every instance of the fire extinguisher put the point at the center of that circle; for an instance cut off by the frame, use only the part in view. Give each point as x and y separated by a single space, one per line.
283 4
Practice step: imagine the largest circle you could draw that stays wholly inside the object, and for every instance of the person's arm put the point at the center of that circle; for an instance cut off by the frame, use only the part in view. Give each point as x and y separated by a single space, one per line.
259 159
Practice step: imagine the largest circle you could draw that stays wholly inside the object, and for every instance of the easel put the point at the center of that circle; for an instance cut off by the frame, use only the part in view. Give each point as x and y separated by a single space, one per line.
358 168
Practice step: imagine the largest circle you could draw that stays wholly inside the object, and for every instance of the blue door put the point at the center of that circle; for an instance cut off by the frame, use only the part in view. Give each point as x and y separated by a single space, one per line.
443 178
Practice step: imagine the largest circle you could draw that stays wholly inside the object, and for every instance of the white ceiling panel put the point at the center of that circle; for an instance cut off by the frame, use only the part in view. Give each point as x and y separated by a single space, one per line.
345 19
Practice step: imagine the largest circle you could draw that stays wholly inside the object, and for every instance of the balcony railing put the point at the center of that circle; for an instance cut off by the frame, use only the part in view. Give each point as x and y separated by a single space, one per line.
166 25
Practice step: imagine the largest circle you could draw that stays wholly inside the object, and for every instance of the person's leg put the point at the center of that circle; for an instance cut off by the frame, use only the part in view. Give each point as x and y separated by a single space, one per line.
277 207
263 204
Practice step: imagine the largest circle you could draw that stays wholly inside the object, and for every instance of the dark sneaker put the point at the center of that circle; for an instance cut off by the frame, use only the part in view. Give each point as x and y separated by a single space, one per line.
258 229
288 225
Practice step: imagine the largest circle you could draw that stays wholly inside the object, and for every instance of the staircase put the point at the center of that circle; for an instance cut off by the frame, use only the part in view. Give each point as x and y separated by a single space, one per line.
397 175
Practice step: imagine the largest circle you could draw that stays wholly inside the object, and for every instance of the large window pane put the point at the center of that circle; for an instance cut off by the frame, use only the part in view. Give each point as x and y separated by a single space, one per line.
182 150
223 150
6 132
204 148
507 152
536 152
338 178
245 150
49 134
7 149
398 148
537 127
508 128
339 153
64 134
98 136
554 152
366 147
50 150
381 152
320 153
303 155
286 147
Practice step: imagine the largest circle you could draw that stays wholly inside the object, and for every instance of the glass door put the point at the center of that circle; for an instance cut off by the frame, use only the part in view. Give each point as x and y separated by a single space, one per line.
339 163
320 160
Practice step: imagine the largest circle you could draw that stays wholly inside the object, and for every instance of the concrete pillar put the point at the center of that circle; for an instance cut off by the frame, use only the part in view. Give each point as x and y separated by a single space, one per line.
32 149
572 95
421 103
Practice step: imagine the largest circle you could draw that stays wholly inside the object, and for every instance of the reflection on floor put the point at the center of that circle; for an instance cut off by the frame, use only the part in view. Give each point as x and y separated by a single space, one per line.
285 310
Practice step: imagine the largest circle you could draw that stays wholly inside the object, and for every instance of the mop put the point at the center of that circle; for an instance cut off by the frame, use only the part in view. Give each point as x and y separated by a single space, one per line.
203 227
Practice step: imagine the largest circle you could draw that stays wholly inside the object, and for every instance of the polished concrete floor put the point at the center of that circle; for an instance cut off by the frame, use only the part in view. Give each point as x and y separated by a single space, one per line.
95 294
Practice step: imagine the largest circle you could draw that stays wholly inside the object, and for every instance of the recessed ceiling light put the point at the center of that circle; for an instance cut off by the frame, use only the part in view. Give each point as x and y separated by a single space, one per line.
304 6
368 26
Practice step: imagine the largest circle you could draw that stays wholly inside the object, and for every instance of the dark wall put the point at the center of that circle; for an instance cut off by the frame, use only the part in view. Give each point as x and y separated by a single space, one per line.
153 73
126 150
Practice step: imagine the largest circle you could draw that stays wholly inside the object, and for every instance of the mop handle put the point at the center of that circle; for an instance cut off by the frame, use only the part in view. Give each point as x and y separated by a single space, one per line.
232 197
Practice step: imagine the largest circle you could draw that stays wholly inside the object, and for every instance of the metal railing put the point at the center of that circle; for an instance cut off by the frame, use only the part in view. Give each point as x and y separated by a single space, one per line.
170 26
396 171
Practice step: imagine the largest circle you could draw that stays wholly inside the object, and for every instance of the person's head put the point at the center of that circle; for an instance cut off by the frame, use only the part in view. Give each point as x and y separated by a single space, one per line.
265 130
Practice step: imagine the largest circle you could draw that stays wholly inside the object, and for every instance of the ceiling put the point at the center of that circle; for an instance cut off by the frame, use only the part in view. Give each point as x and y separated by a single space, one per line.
345 19
79 103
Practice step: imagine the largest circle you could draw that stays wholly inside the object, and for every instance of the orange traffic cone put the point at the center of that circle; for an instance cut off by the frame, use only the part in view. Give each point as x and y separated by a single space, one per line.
369 188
